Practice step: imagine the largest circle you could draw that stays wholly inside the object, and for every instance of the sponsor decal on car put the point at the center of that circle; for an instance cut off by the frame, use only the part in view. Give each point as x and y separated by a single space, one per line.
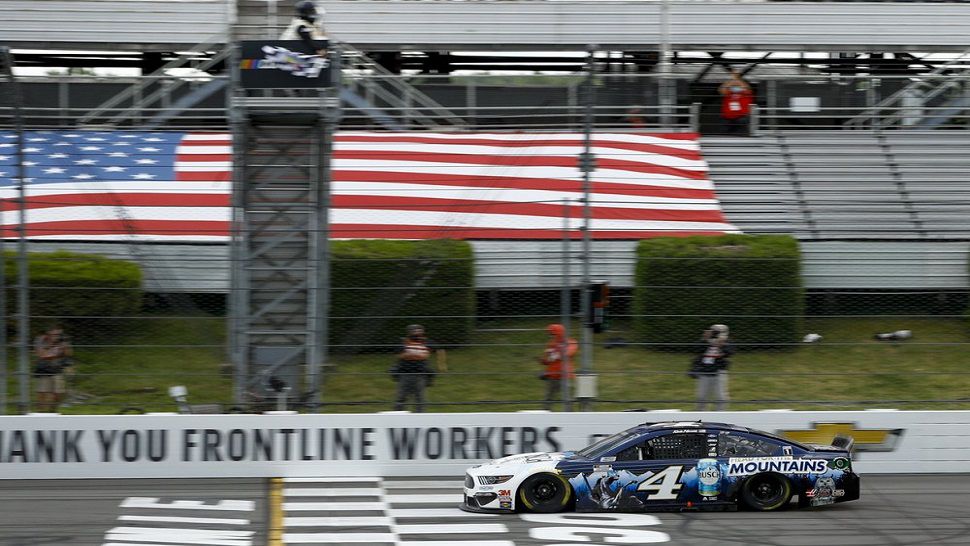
708 478
505 496
839 463
746 466
824 491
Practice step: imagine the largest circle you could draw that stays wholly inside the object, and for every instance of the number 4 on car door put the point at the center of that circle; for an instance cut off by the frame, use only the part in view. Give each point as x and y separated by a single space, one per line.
664 485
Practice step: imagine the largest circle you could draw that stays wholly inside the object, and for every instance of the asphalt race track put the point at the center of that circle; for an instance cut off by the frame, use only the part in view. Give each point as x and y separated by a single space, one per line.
911 509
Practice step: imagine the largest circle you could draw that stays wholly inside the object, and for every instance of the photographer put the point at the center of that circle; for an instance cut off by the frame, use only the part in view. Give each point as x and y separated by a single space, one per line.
54 352
710 368
412 371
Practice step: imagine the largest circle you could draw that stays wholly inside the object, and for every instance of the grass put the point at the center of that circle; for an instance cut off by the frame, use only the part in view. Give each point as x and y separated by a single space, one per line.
847 370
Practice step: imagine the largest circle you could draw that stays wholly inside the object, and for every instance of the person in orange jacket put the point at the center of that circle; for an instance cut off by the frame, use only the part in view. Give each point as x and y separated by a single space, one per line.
552 359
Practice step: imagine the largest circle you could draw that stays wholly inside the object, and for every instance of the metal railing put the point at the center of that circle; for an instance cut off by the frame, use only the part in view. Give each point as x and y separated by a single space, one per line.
922 89
474 102
483 118
140 97
901 118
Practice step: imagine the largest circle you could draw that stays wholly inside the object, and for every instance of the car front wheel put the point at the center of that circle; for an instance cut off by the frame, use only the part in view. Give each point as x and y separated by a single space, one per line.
764 492
544 493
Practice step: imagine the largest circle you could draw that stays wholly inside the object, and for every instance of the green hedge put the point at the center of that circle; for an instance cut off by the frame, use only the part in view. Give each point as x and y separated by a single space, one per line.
75 286
380 286
752 283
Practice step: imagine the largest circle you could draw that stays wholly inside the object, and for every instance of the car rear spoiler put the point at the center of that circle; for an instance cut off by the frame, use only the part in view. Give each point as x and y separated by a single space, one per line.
843 441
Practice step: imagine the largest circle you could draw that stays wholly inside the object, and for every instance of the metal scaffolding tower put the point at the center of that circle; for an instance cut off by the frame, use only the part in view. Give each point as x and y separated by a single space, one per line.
282 141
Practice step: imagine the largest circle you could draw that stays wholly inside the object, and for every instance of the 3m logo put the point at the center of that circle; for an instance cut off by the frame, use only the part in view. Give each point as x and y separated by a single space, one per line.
866 439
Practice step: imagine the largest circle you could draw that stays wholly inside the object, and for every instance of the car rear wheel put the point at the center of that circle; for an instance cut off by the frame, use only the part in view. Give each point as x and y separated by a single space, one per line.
545 493
764 492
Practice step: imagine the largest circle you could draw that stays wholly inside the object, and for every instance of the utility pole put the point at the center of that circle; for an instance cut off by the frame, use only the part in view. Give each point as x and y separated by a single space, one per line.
23 280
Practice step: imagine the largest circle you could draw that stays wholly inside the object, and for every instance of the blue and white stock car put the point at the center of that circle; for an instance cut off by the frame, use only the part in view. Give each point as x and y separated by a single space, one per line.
668 466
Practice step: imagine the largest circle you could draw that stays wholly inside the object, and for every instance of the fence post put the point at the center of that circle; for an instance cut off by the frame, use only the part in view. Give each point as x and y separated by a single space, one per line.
695 117
755 120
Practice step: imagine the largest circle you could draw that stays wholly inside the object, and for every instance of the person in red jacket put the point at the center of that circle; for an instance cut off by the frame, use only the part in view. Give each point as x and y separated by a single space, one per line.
552 359
736 100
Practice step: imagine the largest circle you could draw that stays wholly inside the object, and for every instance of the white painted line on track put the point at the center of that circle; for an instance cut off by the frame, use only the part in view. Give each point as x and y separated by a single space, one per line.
137 544
434 513
153 503
214 537
339 521
332 492
176 519
339 538
453 543
454 486
449 528
423 499
342 506
349 479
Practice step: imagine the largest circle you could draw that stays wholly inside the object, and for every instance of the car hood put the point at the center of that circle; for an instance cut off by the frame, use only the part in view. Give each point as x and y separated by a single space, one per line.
537 457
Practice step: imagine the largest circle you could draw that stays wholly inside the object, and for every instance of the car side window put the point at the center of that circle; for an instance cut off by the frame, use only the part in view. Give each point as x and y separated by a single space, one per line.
731 444
691 445
631 453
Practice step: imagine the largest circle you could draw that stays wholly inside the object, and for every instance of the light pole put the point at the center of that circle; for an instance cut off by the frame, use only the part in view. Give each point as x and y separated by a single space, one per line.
587 165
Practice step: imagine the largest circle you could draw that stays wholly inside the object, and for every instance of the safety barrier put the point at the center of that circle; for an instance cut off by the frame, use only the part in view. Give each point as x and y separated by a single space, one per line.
399 444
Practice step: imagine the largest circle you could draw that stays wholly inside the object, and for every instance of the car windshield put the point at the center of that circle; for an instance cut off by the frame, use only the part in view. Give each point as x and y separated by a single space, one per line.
604 445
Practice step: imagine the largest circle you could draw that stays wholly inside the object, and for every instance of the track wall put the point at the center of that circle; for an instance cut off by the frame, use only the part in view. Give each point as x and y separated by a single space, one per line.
401 444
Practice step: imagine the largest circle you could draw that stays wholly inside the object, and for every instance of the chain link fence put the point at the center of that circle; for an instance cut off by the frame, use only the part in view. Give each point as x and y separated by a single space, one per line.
858 329
839 348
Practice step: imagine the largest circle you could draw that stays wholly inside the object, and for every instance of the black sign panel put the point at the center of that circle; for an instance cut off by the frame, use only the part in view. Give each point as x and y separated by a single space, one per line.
275 64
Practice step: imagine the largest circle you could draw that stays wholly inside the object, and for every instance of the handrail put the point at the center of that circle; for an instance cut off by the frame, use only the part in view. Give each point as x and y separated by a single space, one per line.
356 56
180 61
921 81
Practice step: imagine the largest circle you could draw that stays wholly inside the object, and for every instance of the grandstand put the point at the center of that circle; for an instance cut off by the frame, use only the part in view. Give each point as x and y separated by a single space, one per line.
816 183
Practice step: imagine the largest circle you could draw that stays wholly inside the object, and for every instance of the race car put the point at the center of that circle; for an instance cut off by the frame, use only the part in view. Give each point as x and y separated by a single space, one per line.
667 467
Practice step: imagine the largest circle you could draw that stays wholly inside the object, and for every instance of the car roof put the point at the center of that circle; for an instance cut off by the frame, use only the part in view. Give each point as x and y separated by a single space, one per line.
644 428
655 426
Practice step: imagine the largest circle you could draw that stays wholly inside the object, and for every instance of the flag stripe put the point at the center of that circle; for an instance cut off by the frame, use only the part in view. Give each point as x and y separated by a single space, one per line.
654 154
617 176
115 227
680 140
466 206
403 231
118 200
514 161
472 182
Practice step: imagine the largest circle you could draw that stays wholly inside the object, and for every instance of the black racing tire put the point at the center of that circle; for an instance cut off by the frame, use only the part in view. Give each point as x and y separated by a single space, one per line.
545 493
766 492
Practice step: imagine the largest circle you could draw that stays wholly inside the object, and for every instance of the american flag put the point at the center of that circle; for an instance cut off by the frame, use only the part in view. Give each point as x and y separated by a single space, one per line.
87 185
175 186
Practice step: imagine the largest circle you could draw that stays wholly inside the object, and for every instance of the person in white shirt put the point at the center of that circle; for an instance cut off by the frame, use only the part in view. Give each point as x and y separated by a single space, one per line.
307 27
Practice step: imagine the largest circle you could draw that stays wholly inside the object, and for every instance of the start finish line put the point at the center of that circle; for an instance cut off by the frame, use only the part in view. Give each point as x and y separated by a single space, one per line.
190 446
